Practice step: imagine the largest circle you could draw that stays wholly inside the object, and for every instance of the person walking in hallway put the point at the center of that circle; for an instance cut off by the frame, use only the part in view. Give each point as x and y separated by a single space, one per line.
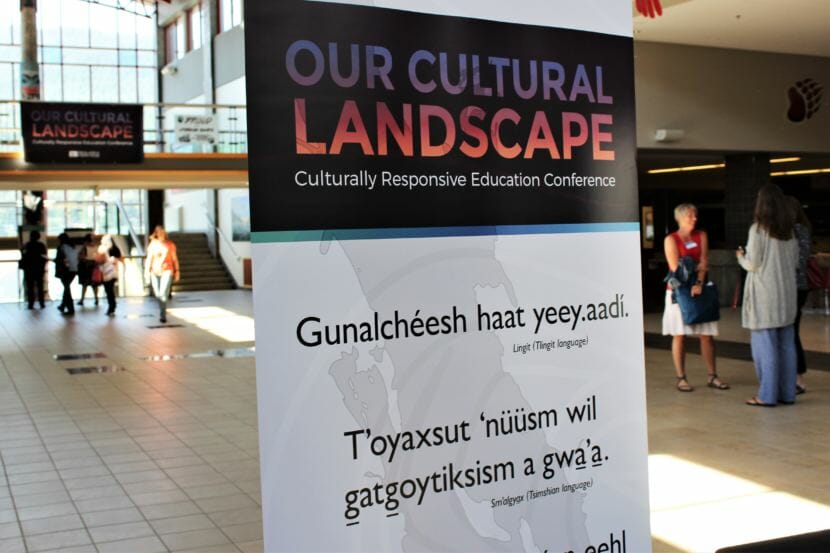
66 267
770 304
86 269
162 268
108 258
686 241
803 233
33 262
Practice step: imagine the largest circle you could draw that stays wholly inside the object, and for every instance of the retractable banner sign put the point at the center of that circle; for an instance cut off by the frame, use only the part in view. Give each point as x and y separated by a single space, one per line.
446 276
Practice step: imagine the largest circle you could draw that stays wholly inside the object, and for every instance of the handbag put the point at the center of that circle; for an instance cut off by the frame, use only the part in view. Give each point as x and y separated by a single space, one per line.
816 279
108 270
704 308
97 276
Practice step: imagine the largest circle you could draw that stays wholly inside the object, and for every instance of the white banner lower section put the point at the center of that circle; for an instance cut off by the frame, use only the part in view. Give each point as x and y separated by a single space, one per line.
463 393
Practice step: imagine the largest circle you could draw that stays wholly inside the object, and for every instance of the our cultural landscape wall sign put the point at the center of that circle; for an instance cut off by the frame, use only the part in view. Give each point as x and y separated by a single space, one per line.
58 132
447 294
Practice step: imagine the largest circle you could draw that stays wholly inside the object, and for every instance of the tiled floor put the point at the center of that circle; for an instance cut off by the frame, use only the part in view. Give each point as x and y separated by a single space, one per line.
724 473
160 457
163 456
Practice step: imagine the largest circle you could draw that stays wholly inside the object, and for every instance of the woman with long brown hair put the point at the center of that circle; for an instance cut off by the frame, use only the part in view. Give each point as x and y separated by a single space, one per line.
769 307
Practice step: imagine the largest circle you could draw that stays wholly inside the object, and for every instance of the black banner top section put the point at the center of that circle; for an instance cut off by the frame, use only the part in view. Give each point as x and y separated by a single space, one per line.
362 117
82 133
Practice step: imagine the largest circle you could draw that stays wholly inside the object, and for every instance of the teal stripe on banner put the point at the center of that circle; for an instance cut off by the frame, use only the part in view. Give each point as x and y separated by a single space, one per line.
435 232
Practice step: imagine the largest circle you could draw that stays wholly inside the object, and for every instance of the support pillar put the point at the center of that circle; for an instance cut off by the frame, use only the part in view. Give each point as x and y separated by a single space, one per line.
209 26
745 175
29 68
155 209
33 214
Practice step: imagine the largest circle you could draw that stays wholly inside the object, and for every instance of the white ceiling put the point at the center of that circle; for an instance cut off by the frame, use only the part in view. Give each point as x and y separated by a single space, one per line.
784 26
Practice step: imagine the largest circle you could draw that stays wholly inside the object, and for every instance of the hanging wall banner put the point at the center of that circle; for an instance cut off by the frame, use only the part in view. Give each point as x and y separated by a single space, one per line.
447 276
82 133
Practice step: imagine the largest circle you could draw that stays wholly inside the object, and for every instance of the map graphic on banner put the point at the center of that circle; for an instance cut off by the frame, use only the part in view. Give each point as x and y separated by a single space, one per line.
447 286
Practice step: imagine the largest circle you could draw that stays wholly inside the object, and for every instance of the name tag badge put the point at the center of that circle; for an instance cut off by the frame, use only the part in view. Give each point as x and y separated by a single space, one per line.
690 245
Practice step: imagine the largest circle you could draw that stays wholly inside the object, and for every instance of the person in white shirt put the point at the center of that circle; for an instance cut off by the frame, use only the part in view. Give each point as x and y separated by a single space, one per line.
161 268
66 267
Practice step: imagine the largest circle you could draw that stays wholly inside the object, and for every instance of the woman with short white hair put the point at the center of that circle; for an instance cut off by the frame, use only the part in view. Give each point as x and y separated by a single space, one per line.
686 241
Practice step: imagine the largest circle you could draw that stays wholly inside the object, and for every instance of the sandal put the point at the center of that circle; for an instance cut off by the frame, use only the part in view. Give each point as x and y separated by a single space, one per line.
683 384
716 383
755 402
799 389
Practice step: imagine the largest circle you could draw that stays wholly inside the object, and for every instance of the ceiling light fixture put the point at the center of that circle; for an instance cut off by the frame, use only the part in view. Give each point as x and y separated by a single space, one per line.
687 168
799 172
711 166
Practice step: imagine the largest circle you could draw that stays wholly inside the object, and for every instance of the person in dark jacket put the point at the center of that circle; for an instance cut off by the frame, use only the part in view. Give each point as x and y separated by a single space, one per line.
803 233
33 261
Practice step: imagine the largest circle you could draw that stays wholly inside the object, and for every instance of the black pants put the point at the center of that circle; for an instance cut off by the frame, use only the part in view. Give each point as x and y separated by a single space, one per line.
67 304
109 290
799 350
34 287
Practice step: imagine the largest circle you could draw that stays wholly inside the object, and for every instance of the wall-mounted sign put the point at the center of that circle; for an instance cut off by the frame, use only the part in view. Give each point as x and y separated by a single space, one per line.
805 98
647 226
447 286
82 133
197 129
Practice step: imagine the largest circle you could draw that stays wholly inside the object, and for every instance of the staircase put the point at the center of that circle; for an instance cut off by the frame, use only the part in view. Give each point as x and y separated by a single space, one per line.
199 269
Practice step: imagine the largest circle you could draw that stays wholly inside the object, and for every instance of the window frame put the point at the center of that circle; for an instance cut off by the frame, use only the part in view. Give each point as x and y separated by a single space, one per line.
195 10
235 9
170 42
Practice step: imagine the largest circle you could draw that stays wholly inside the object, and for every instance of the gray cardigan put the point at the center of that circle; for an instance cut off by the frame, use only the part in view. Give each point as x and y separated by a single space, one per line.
770 290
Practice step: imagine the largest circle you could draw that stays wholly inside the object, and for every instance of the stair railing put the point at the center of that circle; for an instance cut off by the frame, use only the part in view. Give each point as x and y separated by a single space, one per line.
139 243
140 255
223 236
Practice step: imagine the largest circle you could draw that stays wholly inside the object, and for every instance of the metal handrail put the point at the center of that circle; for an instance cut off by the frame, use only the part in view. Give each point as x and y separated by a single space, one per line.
222 234
138 243
160 105
99 201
